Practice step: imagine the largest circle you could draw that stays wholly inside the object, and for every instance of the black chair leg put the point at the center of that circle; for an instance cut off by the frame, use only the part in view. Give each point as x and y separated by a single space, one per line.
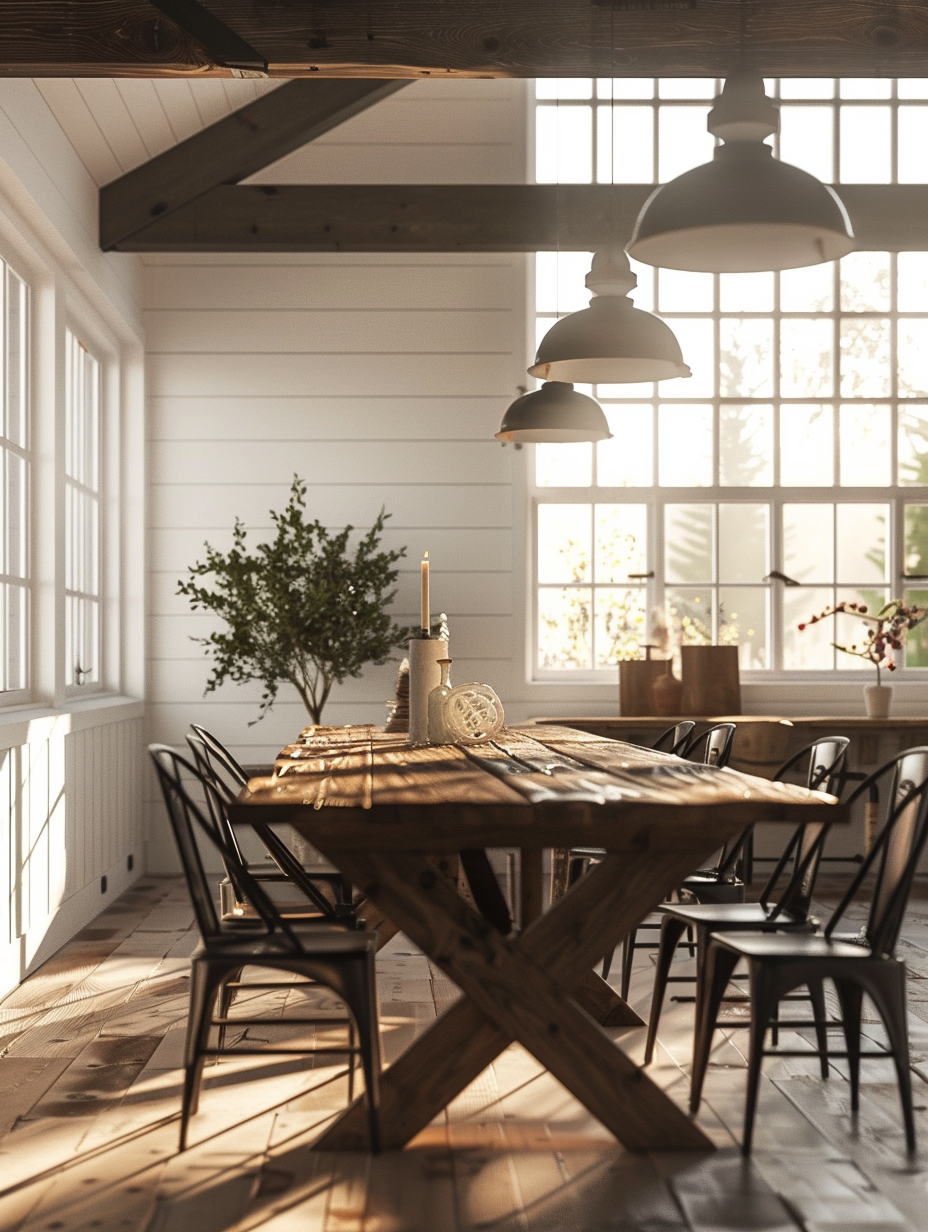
204 986
690 940
628 959
765 998
352 1044
226 997
357 986
717 965
607 963
851 995
886 986
817 997
672 930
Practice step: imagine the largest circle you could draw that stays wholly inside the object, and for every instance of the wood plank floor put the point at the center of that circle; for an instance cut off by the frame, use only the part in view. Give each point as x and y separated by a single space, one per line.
90 1048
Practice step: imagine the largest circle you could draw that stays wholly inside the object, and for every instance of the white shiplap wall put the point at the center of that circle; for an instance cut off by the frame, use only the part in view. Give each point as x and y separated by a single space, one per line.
379 379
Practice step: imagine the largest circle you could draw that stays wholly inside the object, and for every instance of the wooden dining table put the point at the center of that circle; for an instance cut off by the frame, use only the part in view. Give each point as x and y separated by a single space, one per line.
392 817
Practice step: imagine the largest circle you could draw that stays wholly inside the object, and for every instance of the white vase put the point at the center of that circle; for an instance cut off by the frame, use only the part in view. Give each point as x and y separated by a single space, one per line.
877 699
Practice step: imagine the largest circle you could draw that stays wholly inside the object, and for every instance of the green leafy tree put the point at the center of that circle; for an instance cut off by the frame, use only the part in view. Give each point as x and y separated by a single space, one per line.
308 607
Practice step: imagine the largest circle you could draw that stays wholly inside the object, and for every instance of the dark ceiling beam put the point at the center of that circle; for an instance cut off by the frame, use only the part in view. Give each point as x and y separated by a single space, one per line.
466 218
230 150
492 38
228 49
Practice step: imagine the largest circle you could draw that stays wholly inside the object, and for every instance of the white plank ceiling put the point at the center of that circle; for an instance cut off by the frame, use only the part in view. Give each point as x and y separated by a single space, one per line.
117 124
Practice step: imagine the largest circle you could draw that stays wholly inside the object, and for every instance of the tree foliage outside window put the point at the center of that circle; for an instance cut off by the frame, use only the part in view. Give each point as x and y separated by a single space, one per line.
309 607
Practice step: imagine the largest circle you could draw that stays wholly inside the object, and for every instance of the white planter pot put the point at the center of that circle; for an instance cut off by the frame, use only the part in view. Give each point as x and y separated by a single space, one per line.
877 699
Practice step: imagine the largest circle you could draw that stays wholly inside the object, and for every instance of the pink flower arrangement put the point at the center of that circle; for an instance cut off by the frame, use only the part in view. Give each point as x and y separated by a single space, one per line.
885 632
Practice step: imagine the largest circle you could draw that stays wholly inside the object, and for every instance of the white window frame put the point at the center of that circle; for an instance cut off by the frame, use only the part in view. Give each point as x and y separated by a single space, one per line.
86 557
894 495
24 452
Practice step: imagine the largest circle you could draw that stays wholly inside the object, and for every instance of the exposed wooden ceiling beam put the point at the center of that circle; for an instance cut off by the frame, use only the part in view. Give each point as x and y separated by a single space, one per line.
232 149
466 218
490 38
228 49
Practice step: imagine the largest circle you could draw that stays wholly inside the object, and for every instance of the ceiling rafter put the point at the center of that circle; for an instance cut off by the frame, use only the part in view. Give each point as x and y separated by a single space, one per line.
467 218
230 150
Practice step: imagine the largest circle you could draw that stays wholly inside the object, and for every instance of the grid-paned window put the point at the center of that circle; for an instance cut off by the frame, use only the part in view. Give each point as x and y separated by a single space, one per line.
799 446
82 515
14 484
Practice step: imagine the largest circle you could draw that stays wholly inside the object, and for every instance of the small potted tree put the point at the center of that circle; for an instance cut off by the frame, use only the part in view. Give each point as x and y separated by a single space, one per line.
309 607
884 635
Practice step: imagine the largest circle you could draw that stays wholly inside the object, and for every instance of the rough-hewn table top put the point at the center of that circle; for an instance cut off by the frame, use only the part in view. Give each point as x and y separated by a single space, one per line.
533 787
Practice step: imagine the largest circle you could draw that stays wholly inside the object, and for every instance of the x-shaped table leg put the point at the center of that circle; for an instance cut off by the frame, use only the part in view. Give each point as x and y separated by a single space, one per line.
519 989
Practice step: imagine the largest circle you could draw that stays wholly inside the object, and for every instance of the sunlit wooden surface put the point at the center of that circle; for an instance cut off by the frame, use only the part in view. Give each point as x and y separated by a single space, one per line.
379 809
90 1089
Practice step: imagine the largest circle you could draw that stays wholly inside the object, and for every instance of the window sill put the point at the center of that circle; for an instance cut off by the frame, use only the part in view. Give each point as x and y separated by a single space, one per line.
22 724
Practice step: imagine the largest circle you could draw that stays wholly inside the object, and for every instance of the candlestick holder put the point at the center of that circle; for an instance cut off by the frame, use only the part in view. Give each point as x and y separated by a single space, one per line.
424 676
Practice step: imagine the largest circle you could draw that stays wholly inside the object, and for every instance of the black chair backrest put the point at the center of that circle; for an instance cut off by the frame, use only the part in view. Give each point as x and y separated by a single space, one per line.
190 824
219 756
208 760
711 747
823 765
234 860
895 854
674 739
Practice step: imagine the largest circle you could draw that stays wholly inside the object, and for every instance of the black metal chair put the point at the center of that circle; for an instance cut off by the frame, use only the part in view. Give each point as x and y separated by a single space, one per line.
323 886
337 958
858 963
675 739
672 740
825 771
718 883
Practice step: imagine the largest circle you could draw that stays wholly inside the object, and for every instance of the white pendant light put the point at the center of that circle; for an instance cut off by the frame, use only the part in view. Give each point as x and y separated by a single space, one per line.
746 210
611 342
555 414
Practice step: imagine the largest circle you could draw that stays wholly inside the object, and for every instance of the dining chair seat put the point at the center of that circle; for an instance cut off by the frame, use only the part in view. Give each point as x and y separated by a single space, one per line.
735 915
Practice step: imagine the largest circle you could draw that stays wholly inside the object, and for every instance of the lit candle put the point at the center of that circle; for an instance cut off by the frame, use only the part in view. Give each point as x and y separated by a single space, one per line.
426 621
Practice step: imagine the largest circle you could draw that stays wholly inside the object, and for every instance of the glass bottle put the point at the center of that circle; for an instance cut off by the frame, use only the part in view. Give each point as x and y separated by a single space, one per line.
437 732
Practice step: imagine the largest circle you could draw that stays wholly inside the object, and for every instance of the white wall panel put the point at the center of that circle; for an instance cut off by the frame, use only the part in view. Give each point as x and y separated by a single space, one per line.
336 419
348 283
70 815
248 375
214 506
236 331
379 379
333 462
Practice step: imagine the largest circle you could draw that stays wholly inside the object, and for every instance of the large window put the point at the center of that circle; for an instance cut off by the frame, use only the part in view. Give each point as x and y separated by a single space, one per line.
14 485
800 444
82 516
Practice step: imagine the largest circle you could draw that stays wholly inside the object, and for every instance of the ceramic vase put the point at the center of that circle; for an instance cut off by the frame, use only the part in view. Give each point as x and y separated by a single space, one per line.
424 676
877 699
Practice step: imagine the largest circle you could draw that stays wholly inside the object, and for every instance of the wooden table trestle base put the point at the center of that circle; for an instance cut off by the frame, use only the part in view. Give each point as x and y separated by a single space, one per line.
382 810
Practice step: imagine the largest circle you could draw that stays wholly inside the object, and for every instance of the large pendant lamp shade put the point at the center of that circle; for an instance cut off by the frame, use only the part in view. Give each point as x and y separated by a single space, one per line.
745 211
555 414
611 342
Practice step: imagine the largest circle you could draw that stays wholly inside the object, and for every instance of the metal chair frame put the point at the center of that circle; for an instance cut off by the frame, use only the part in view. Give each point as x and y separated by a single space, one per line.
826 771
860 963
217 763
340 959
720 883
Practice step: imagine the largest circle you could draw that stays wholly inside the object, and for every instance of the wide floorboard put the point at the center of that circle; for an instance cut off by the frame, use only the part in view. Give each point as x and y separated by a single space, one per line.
90 1049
